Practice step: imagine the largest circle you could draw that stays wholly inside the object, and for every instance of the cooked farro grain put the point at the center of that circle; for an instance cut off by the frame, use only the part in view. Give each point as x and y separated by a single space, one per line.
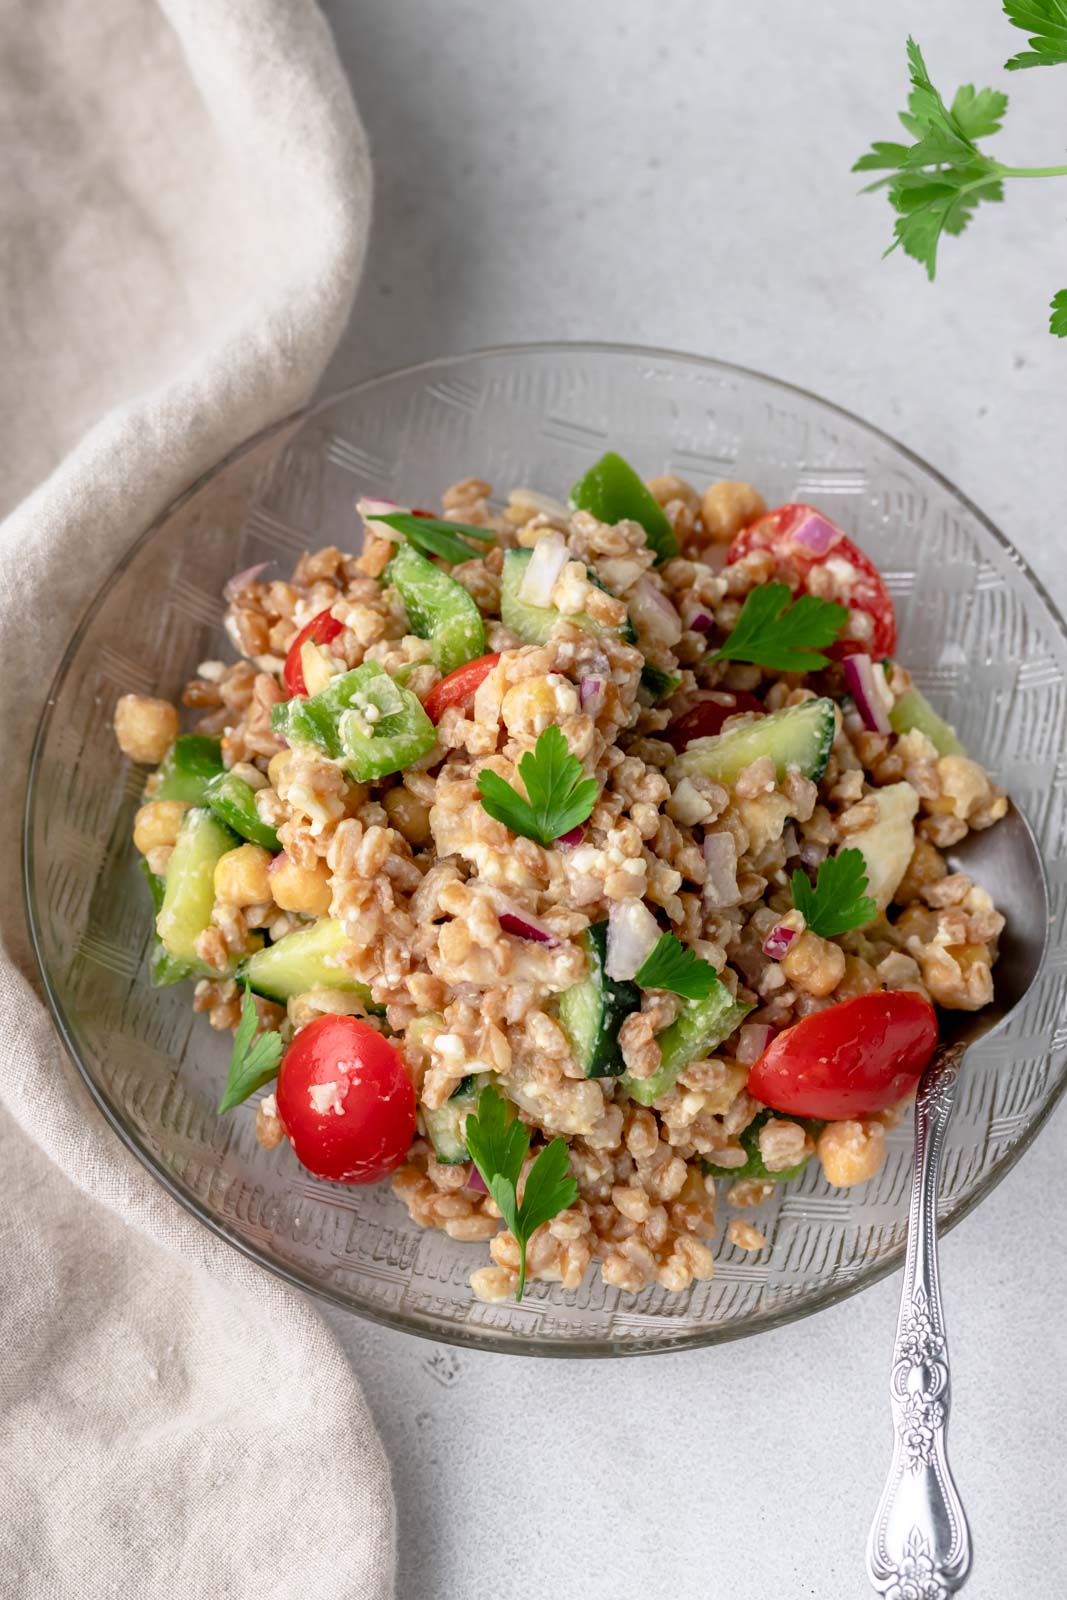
458 938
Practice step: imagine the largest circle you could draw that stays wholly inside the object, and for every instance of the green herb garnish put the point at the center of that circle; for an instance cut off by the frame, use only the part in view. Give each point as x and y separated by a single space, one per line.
936 183
436 536
254 1062
670 965
837 901
498 1147
783 637
558 794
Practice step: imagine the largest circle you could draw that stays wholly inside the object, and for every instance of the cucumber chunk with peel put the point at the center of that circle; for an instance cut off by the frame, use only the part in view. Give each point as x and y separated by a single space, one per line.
800 736
310 958
189 888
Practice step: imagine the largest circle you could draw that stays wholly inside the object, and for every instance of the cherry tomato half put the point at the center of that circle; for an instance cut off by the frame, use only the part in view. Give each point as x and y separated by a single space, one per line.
345 1100
801 539
707 716
855 1058
320 630
458 686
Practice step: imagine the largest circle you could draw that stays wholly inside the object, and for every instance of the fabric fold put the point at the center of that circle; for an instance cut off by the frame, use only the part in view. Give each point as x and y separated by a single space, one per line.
186 193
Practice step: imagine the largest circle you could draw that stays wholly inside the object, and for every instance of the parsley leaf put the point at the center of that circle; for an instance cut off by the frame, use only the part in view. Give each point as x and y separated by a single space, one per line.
498 1148
559 795
837 901
1046 21
254 1062
1058 320
670 965
936 184
435 536
784 637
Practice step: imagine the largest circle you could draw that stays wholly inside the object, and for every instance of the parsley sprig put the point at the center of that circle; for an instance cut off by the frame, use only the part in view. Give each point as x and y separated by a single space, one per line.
670 965
936 183
1046 21
558 794
436 537
253 1062
837 901
783 637
498 1147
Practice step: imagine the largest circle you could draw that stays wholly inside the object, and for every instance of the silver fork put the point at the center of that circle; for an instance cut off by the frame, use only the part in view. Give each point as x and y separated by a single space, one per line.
919 1546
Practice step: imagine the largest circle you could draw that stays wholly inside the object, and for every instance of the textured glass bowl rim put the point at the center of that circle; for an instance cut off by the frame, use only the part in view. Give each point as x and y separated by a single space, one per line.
444 1332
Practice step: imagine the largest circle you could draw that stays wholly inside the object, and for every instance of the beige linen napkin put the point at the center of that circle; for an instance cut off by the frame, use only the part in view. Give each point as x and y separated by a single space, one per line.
184 200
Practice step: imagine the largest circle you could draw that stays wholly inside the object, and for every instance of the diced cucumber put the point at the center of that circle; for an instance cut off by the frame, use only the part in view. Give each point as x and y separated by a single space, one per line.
755 1167
446 1125
656 685
534 624
593 1011
306 959
698 1028
163 968
799 736
189 890
913 710
234 802
613 492
363 718
188 767
438 608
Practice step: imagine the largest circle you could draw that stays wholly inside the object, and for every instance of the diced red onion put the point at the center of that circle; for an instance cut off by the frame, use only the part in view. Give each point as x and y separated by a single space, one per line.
861 677
632 933
696 616
815 533
573 838
720 861
523 926
653 613
476 1181
752 1040
591 691
370 509
778 941
241 580
542 570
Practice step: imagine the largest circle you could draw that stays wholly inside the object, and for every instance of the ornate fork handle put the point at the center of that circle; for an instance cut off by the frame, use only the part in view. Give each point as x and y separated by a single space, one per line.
920 1546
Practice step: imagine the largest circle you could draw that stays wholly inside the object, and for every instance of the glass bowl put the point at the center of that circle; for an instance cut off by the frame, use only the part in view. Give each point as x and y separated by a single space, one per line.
976 629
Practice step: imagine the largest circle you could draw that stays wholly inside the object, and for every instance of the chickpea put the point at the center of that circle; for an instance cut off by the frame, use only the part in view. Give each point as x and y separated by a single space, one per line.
157 824
242 876
537 703
860 978
727 507
410 817
277 765
963 783
851 1152
813 964
145 728
666 487
305 889
925 867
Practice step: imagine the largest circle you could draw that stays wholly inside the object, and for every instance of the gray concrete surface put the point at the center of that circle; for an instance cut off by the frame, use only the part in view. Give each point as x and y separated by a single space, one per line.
676 173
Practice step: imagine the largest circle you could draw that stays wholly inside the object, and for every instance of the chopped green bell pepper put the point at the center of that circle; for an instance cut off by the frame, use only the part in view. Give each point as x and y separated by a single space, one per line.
438 608
234 802
188 767
363 719
612 492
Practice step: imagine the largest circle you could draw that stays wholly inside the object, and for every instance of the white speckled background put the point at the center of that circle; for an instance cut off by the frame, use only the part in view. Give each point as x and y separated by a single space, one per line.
675 172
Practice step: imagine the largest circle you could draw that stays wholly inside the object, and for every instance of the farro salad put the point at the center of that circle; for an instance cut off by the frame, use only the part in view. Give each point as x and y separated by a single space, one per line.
565 863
